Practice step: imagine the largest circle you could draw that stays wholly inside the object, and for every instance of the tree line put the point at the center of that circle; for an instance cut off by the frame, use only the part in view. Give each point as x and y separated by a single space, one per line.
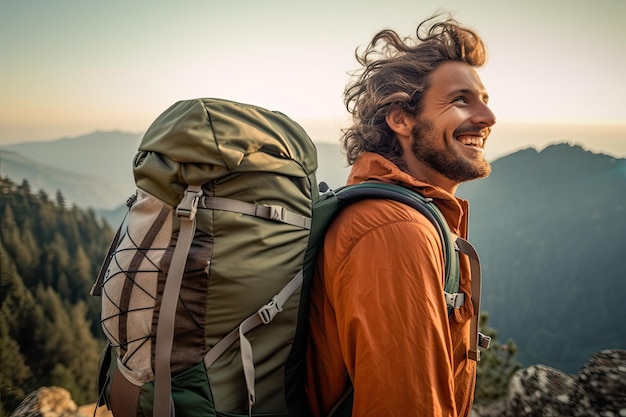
49 324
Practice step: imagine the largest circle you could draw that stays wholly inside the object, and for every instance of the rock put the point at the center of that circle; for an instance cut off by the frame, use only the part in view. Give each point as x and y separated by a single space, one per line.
88 411
603 378
599 390
47 402
540 391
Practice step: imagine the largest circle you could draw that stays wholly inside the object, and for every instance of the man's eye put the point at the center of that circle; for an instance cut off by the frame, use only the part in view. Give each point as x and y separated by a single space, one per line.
459 99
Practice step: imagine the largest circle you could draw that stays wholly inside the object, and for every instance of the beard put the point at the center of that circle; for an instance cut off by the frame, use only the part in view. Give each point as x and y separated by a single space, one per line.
430 148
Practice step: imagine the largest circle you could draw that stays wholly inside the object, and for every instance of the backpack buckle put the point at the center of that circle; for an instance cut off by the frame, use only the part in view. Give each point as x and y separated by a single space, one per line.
277 213
188 206
484 341
455 300
269 310
131 200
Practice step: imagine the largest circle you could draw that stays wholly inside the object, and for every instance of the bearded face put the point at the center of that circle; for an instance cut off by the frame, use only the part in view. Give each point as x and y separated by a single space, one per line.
459 160
448 135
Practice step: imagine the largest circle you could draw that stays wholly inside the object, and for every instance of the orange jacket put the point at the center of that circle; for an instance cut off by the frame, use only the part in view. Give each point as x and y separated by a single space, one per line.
378 314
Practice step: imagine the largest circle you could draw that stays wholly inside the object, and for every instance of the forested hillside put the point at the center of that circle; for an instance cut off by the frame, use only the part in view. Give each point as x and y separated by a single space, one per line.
49 325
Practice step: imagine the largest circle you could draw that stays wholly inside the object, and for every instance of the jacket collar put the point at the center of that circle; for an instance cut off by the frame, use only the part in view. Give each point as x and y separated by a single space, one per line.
371 166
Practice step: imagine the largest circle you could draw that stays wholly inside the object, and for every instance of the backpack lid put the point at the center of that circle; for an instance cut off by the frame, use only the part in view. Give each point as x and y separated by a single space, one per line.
199 140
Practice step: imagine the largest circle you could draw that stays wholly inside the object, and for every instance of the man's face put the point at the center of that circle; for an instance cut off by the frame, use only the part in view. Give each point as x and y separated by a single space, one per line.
452 128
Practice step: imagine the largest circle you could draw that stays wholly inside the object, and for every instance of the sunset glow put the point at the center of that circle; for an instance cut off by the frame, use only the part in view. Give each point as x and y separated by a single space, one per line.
70 68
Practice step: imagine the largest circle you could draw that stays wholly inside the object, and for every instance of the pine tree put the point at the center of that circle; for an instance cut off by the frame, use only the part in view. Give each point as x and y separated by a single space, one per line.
29 268
55 335
13 370
12 240
84 364
60 199
15 304
80 274
25 187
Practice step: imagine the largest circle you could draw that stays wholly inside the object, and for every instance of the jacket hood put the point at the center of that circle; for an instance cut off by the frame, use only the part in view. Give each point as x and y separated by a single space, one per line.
371 166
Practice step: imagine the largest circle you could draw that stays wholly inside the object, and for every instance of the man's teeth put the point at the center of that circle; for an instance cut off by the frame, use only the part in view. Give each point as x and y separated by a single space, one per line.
472 141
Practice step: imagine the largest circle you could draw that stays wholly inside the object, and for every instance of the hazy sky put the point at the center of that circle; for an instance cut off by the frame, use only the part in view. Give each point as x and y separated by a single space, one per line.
72 67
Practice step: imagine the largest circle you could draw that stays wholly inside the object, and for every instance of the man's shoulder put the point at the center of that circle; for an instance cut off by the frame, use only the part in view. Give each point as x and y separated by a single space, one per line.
369 214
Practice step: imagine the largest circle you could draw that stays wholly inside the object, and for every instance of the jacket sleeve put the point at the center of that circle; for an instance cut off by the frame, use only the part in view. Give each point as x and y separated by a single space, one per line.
387 293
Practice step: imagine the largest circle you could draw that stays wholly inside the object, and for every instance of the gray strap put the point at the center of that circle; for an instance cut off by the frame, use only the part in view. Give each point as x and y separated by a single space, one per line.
467 248
276 213
186 212
264 315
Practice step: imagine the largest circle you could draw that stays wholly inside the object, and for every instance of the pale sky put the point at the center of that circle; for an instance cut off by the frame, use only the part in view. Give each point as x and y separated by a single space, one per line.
71 67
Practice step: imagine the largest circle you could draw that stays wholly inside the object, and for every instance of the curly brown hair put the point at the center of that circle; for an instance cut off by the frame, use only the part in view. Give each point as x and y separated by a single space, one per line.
394 74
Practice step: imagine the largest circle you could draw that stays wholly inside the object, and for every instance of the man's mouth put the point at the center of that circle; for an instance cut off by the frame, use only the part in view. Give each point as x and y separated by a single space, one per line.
474 141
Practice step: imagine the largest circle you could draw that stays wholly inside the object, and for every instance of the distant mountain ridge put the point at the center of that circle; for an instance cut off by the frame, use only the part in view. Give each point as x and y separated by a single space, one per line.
106 159
81 189
106 156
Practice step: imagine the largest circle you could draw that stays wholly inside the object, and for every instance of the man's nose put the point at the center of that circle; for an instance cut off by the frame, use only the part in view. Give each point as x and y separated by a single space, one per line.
484 116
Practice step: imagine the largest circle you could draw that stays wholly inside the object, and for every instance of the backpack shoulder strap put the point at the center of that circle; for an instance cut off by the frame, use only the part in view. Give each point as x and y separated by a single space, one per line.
451 245
427 207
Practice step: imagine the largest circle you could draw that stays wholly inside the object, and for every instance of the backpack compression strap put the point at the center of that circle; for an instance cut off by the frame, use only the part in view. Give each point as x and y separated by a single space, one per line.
270 212
186 212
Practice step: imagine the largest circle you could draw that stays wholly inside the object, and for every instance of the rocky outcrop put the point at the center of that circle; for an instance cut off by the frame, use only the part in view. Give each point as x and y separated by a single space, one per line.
55 402
47 402
599 390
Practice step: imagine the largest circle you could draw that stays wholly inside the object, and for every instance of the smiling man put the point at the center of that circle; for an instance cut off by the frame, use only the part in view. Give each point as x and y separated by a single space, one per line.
379 320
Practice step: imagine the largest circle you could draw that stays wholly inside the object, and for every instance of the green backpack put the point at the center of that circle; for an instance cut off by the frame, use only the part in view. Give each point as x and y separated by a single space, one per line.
205 285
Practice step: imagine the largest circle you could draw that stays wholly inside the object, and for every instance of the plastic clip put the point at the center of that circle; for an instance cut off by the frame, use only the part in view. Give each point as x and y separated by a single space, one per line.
269 311
455 300
484 341
277 213
189 204
131 200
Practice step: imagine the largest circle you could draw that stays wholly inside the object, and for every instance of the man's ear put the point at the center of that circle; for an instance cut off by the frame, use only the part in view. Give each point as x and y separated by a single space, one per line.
400 122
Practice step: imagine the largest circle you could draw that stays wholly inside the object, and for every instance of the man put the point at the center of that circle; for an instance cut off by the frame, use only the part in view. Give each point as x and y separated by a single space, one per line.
378 315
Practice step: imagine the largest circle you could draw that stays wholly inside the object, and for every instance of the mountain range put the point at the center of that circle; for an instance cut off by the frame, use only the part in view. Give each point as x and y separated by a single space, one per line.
95 170
549 226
